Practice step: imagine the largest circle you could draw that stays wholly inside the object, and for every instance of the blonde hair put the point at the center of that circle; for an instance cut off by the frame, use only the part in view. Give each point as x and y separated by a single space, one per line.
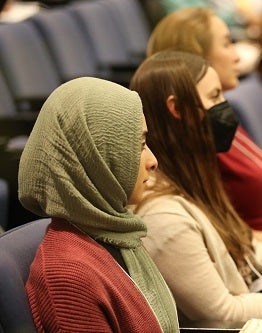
186 30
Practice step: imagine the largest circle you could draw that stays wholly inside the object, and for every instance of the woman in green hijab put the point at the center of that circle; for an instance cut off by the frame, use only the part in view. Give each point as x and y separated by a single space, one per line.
85 160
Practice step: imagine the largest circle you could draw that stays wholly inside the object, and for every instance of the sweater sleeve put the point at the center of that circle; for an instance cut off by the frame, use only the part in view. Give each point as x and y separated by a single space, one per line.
179 250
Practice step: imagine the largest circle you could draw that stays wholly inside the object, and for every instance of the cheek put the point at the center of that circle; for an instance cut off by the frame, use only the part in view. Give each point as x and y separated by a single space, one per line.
141 171
206 102
209 104
219 56
225 57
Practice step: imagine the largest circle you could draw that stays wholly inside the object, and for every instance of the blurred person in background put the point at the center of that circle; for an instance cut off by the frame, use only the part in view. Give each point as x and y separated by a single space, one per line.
248 95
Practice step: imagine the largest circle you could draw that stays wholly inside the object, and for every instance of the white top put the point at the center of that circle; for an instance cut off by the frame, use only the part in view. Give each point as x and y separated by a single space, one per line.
195 262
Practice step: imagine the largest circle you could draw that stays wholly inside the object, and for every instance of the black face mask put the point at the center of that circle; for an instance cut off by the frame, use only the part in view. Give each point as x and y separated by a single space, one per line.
224 123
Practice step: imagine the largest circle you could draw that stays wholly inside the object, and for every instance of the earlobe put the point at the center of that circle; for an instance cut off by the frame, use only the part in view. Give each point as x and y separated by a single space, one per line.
171 105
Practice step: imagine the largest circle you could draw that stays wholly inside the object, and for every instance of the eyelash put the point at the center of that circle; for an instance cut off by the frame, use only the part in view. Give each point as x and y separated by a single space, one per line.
143 145
216 96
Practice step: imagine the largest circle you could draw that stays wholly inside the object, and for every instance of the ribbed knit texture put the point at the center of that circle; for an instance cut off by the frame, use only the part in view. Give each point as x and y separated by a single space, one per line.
72 292
81 164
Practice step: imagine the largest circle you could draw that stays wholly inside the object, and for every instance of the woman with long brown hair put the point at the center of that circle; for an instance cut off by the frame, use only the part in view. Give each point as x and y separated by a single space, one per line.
202 247
199 31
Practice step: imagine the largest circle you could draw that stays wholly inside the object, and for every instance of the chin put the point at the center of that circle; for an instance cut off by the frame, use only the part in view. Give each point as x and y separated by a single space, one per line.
231 85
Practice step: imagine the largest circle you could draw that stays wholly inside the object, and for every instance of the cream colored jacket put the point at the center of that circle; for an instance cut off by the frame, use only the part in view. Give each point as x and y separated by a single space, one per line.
195 262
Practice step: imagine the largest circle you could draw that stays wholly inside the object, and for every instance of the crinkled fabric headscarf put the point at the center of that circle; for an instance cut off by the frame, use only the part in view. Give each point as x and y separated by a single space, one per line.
81 163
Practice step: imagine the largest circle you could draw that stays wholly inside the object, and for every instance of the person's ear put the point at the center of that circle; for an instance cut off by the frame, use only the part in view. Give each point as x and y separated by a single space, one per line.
171 105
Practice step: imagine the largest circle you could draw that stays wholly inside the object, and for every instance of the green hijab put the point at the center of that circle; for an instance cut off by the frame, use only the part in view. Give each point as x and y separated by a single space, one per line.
81 163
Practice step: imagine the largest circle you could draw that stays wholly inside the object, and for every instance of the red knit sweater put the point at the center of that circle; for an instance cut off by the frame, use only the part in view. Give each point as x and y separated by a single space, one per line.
241 169
75 285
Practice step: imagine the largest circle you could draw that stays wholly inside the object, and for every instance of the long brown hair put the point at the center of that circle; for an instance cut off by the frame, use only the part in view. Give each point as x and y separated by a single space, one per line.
193 25
184 145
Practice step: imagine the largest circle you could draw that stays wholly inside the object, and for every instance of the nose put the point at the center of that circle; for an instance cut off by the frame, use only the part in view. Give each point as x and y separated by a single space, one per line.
152 163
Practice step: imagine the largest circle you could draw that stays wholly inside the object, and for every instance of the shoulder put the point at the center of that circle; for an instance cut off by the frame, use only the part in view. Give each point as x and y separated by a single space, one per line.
174 215
171 216
71 267
66 255
171 205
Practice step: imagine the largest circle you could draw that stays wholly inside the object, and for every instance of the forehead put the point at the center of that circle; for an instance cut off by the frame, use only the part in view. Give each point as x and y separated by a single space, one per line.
209 82
218 27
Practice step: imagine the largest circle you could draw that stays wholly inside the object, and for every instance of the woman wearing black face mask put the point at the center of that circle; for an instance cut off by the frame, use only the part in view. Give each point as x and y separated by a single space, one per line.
224 123
204 250
199 31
